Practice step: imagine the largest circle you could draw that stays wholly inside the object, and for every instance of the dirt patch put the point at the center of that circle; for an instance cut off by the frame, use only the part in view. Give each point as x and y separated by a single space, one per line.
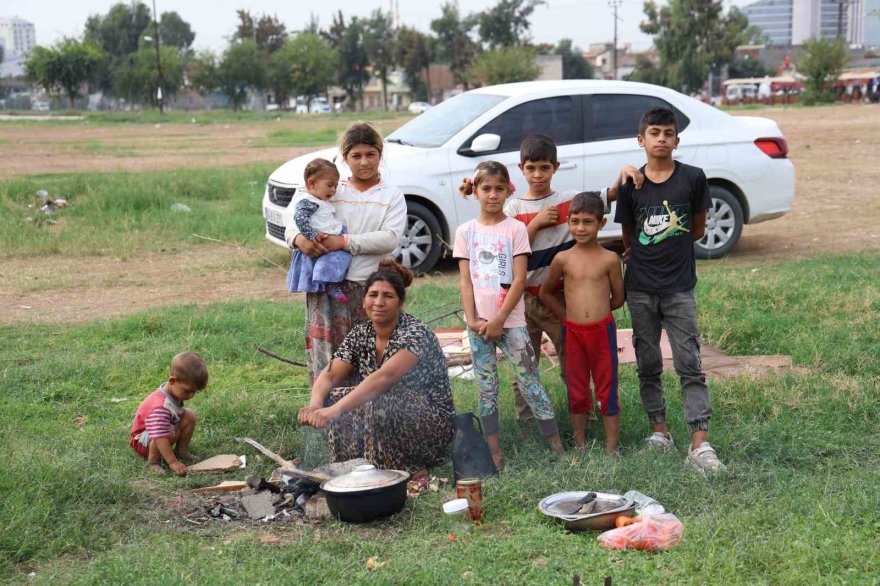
89 288
85 148
833 150
834 211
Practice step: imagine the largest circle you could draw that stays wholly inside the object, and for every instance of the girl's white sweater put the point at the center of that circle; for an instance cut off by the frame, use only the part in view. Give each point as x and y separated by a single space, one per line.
375 218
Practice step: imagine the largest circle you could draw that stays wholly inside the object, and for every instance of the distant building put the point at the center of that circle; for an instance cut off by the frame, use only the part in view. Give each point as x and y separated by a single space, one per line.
19 35
551 67
12 66
773 17
791 22
601 57
870 23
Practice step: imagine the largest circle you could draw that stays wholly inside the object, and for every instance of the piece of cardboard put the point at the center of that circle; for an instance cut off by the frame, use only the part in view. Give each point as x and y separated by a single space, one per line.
221 463
225 486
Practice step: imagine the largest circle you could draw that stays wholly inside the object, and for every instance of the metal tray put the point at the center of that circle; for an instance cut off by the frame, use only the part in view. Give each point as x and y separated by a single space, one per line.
608 508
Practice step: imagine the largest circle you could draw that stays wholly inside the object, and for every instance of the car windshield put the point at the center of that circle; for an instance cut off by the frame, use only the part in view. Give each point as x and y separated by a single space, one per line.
440 123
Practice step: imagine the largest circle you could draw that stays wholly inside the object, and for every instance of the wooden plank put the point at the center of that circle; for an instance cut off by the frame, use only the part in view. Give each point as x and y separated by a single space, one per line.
225 486
221 463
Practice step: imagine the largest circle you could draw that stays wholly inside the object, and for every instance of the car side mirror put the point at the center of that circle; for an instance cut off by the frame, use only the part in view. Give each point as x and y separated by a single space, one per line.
484 143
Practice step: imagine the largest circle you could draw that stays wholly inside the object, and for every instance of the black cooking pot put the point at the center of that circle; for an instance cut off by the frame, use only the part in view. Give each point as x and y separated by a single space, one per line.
366 493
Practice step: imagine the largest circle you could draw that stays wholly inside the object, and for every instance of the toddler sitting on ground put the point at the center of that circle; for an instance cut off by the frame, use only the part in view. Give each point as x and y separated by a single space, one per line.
162 426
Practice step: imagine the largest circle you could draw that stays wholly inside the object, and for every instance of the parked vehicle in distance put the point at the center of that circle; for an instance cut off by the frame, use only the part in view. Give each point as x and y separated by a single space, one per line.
594 123
419 107
318 105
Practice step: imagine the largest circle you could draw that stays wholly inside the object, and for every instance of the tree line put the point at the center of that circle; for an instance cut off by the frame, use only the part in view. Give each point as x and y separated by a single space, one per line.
117 52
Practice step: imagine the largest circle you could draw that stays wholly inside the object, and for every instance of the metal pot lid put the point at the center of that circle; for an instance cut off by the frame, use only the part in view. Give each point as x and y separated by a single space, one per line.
364 477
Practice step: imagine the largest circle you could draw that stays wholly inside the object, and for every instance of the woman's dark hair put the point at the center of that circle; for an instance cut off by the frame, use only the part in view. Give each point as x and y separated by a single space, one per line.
394 274
360 133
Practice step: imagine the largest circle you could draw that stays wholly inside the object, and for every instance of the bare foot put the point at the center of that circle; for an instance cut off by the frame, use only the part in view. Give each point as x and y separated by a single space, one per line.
186 458
555 444
499 461
154 468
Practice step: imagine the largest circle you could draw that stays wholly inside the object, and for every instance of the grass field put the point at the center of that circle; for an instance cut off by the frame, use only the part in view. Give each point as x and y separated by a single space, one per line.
219 116
127 213
799 504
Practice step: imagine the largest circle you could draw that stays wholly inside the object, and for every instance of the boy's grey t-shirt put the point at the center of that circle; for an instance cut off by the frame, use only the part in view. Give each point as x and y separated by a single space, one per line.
662 252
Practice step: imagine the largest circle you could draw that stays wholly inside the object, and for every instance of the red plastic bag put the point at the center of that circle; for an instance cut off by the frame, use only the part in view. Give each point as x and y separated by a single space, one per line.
650 533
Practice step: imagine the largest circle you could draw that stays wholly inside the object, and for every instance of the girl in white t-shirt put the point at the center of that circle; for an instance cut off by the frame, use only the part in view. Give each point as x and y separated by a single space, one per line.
315 217
492 253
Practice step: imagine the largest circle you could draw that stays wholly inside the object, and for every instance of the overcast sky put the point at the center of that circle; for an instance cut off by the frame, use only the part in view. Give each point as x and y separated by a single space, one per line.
584 21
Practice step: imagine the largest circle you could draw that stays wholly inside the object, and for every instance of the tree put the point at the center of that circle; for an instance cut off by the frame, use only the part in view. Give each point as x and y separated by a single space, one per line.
507 23
64 67
379 43
242 68
314 65
135 76
415 51
267 32
692 37
352 64
504 65
574 64
454 43
203 72
117 33
745 67
175 32
305 64
823 61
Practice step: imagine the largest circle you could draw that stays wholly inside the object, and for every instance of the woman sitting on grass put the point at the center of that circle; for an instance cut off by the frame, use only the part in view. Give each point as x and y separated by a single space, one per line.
400 415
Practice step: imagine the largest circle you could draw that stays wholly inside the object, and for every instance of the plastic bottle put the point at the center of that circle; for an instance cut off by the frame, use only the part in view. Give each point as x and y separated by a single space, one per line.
644 503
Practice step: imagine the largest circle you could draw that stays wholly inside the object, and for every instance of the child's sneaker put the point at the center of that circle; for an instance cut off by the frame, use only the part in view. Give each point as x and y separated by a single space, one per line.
704 458
338 295
660 441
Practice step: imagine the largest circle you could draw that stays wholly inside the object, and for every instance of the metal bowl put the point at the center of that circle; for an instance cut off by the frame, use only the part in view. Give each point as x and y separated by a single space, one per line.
608 508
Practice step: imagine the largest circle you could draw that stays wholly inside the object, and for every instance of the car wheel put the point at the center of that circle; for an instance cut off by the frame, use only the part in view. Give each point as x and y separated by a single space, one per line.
422 243
724 224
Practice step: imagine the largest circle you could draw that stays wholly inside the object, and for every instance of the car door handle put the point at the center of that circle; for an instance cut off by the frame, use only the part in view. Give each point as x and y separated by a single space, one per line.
567 165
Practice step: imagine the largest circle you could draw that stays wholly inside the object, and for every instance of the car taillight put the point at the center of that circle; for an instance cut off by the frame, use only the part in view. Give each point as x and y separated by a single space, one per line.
775 147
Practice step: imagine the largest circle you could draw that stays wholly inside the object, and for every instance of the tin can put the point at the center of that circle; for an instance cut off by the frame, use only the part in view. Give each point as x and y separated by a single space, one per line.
472 490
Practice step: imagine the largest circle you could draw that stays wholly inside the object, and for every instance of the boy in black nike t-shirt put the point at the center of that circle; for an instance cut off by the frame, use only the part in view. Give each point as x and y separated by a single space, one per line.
660 223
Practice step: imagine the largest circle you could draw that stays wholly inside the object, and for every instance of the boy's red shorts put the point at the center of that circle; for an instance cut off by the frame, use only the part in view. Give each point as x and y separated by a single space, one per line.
591 348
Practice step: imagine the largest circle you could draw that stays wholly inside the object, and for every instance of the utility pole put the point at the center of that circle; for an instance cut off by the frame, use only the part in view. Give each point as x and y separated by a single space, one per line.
158 62
614 4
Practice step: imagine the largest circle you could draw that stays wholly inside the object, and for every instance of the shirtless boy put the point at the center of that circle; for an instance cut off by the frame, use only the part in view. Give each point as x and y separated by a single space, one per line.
593 289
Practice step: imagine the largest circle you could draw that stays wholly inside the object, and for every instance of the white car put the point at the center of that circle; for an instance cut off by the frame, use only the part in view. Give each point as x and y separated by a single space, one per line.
419 107
594 123
318 105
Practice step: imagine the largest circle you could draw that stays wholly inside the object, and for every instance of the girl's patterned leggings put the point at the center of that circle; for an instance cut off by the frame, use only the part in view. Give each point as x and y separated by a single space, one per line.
517 348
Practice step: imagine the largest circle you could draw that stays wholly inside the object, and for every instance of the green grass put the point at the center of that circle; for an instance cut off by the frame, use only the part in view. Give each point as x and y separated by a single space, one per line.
121 214
219 116
299 137
798 506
